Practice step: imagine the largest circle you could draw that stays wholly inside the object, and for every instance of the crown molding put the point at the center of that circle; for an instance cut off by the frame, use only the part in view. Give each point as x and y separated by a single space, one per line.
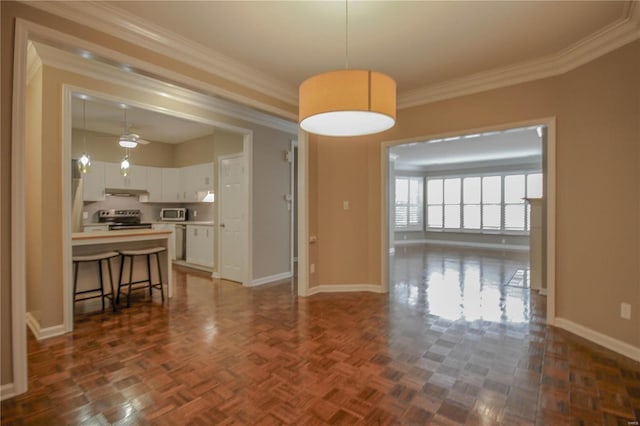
66 61
606 40
110 20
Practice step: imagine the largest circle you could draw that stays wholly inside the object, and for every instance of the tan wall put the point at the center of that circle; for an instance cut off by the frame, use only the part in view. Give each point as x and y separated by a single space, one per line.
33 213
104 147
195 151
598 176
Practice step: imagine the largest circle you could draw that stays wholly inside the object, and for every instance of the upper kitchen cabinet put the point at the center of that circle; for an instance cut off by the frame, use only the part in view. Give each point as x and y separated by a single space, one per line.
196 179
154 185
171 186
136 178
93 182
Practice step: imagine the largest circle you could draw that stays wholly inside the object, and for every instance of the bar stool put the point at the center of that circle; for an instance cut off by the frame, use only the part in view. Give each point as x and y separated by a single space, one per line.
131 254
79 296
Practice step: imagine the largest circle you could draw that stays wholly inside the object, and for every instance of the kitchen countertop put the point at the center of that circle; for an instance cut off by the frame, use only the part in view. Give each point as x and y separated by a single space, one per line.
185 222
82 238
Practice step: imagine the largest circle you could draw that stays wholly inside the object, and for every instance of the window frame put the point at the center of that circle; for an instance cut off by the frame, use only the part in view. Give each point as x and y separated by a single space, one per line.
421 204
503 204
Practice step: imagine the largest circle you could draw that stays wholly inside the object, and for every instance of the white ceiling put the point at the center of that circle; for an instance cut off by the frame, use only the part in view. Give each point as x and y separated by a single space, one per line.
419 43
522 145
108 117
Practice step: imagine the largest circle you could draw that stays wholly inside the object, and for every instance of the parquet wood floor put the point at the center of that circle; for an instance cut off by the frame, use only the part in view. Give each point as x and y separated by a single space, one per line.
218 353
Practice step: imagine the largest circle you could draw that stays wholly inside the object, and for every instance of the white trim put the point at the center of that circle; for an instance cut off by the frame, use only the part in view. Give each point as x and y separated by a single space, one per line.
43 333
7 391
66 61
110 20
128 63
603 41
215 275
345 288
490 246
303 215
293 177
18 218
271 278
65 184
608 342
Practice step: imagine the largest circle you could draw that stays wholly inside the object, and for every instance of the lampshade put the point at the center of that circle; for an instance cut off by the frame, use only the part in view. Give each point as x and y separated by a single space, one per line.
347 103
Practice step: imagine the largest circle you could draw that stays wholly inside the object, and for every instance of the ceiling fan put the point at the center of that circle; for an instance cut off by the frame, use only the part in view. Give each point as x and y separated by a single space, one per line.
129 139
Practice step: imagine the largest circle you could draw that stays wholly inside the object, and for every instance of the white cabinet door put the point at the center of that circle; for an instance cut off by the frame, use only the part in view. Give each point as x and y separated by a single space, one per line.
171 186
202 177
93 182
188 176
154 184
200 245
136 177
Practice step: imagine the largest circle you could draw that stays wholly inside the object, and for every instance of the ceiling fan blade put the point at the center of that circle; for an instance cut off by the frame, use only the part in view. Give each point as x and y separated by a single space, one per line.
143 142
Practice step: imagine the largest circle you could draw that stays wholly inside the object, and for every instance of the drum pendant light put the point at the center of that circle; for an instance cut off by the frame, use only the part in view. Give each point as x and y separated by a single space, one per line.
347 102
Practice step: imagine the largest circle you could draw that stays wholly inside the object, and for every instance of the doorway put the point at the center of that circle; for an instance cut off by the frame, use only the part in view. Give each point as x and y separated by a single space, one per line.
435 205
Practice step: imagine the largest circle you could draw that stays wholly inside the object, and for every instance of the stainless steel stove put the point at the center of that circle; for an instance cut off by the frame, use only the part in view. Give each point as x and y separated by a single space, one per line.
119 220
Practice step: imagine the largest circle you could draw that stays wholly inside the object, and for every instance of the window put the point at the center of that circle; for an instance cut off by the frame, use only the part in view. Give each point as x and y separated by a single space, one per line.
492 203
409 203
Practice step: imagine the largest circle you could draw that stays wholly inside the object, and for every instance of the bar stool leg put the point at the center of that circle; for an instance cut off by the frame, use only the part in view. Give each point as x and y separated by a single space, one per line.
130 280
113 300
75 286
120 278
149 277
101 283
160 276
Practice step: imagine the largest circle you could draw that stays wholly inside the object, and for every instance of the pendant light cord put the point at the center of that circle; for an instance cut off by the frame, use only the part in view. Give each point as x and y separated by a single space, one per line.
346 34
84 125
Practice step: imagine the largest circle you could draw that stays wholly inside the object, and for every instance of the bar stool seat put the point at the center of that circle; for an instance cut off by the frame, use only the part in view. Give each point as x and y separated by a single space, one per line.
131 254
79 296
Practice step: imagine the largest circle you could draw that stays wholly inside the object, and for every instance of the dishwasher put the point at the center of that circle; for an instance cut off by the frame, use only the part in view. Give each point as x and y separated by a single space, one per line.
181 235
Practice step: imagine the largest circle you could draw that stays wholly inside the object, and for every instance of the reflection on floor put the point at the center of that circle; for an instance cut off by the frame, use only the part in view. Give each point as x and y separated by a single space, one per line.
218 353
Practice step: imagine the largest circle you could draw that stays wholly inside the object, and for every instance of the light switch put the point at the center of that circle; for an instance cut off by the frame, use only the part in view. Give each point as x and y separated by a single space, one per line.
85 215
345 205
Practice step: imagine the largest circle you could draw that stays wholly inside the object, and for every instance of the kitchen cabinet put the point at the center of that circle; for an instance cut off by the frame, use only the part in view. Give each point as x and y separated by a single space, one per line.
200 245
136 177
171 185
93 182
196 180
172 240
154 185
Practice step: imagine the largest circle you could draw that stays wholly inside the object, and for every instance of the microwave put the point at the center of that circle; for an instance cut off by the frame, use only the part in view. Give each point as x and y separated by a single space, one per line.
173 214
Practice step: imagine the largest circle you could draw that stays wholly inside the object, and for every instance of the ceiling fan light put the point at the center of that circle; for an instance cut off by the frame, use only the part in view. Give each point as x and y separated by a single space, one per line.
127 142
347 103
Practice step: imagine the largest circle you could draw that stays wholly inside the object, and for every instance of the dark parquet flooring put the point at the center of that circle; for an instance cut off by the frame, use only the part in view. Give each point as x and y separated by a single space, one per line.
218 353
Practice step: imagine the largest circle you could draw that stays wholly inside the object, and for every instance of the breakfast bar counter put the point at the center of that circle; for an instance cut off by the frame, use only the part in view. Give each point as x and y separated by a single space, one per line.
87 243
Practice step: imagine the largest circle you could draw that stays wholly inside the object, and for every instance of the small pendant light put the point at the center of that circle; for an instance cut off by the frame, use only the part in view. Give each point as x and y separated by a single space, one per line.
124 165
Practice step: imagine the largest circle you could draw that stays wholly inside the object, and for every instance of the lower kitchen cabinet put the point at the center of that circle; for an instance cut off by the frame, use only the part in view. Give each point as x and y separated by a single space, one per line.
200 245
173 246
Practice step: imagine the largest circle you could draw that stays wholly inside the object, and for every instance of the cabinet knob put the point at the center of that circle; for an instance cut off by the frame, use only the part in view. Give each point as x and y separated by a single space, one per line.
222 225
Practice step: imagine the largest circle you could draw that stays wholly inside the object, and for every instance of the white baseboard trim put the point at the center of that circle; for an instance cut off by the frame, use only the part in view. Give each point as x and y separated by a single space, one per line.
344 288
462 244
271 278
43 333
608 342
7 391
216 275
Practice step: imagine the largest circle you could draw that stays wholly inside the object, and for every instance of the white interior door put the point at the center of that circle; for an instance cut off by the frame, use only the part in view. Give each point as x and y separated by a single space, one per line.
231 219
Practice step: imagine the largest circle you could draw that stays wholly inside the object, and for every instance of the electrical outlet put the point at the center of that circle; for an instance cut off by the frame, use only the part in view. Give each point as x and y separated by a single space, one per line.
625 311
195 213
345 205
85 215
312 268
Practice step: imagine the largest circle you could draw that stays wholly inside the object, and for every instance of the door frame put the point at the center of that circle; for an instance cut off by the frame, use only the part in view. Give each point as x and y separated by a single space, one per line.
548 158
24 32
292 205
247 273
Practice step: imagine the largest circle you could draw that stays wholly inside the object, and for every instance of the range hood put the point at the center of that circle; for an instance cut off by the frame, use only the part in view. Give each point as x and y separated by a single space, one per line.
124 192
